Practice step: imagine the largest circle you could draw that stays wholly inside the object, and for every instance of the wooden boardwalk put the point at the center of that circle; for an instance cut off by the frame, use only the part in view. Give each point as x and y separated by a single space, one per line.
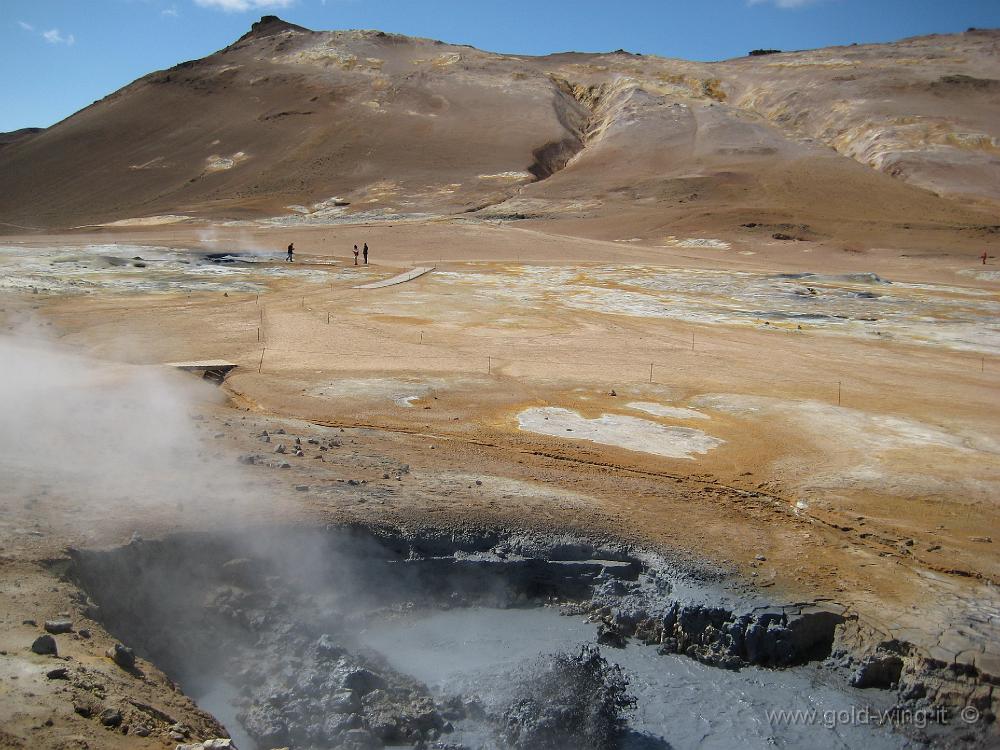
401 278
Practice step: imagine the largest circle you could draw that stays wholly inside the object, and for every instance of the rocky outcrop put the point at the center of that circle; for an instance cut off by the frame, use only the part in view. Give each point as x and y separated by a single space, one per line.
717 635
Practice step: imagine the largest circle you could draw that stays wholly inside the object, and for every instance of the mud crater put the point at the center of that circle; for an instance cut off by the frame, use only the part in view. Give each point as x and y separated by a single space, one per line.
365 638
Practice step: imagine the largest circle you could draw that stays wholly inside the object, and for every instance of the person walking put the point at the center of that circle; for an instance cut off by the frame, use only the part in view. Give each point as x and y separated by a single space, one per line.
355 255
984 256
291 251
365 251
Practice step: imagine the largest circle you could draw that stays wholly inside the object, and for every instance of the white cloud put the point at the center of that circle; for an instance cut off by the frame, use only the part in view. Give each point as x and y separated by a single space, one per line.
25 26
54 36
236 6
170 12
787 4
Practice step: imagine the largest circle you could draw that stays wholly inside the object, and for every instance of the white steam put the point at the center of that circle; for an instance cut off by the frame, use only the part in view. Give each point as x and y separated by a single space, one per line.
89 440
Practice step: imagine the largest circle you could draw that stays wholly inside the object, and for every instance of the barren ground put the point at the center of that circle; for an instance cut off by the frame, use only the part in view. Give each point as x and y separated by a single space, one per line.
830 436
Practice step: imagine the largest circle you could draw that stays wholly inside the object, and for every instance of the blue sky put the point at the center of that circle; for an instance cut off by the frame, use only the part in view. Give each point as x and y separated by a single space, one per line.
57 56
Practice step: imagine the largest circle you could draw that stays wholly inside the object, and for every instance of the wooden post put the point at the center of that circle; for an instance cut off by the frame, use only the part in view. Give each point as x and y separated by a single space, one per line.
258 334
260 365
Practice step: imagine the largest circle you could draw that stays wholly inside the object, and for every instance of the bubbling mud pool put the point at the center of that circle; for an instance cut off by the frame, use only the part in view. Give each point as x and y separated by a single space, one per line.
370 638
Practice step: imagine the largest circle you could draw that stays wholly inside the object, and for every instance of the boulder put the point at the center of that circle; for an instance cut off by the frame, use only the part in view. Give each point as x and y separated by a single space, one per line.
111 717
121 655
58 626
45 645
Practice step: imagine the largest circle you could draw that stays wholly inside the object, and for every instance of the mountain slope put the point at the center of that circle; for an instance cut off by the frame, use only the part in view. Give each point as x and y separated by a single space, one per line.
321 125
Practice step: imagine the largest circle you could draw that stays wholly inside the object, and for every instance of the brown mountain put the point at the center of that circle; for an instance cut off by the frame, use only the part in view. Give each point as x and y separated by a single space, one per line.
852 142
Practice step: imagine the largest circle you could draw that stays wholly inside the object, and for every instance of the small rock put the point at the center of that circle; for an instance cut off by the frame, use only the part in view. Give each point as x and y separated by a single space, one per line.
344 702
121 655
612 392
32 623
760 558
142 730
877 671
479 482
280 431
111 717
302 487
981 539
59 673
359 739
45 645
83 632
280 449
362 681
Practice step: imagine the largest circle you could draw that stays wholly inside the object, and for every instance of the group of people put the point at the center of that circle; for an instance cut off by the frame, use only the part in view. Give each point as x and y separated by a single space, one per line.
365 252
291 253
